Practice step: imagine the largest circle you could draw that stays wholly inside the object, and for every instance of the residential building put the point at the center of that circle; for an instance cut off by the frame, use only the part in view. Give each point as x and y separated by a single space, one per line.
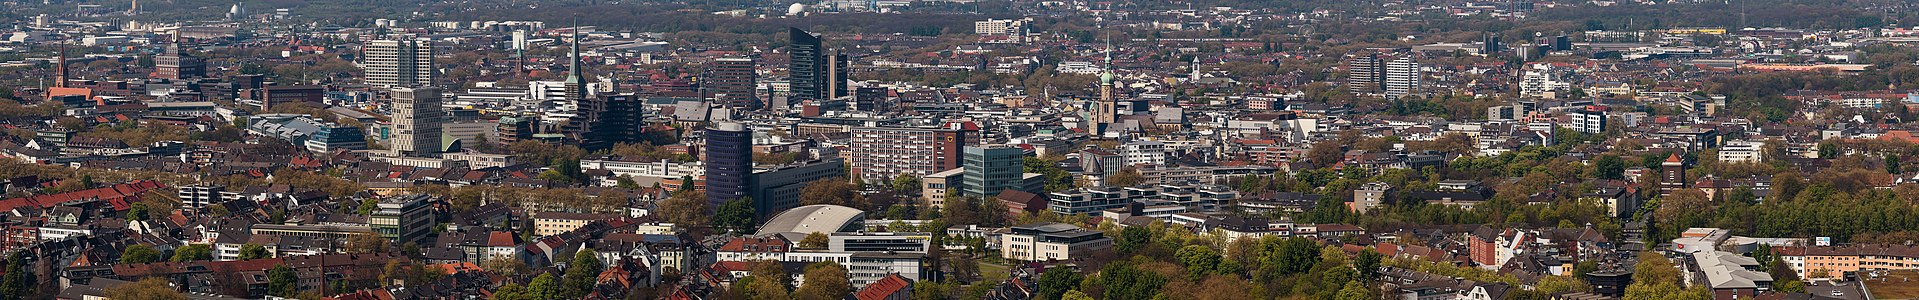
998 27
1588 121
549 223
878 154
1365 73
398 63
1403 77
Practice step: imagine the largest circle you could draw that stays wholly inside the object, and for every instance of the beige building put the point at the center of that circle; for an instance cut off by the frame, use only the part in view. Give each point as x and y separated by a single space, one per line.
935 185
553 223
1051 241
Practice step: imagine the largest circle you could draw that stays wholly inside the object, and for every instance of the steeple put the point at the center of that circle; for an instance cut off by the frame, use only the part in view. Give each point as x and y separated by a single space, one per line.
573 69
60 67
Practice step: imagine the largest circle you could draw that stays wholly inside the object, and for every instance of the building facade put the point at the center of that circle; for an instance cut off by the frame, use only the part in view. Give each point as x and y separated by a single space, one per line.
729 160
399 63
416 121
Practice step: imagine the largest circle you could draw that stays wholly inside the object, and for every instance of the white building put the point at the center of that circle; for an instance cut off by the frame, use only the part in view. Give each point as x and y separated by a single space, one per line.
1144 152
1403 77
400 63
1050 241
1588 121
998 27
1741 151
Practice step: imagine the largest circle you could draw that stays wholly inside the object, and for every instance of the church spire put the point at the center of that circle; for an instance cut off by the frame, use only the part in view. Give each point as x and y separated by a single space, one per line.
573 69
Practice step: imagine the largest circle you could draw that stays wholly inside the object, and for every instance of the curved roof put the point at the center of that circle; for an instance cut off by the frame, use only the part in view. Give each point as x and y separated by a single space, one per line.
824 218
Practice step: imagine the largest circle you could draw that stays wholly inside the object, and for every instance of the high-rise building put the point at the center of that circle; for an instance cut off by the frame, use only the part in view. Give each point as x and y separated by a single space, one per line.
1490 45
729 160
815 74
1365 73
416 121
731 82
174 63
989 170
610 119
880 153
399 63
1403 77
871 99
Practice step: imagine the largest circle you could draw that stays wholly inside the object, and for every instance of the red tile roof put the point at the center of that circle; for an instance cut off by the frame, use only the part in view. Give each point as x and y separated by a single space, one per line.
886 287
121 196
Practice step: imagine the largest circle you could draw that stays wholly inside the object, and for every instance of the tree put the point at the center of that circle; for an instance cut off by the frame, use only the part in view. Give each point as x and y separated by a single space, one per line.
686 208
512 291
1075 295
1056 281
545 287
253 251
815 240
1368 264
151 288
1790 286
19 281
736 215
1354 291
1128 176
282 282
1199 260
824 281
835 191
1892 163
139 254
137 212
192 253
1610 167
766 280
1131 239
1125 280
582 273
367 243
906 183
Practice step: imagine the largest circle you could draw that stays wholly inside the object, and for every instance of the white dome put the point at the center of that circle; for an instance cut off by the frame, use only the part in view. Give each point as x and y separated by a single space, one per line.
796 9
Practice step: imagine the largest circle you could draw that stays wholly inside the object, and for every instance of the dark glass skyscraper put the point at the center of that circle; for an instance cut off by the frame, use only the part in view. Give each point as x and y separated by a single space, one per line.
816 74
808 61
610 119
729 160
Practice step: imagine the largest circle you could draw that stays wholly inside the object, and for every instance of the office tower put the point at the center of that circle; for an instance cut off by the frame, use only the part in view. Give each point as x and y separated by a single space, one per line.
807 63
880 153
416 121
836 70
1562 43
1365 73
989 170
610 119
399 63
731 82
1490 45
729 160
176 64
815 73
1402 77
